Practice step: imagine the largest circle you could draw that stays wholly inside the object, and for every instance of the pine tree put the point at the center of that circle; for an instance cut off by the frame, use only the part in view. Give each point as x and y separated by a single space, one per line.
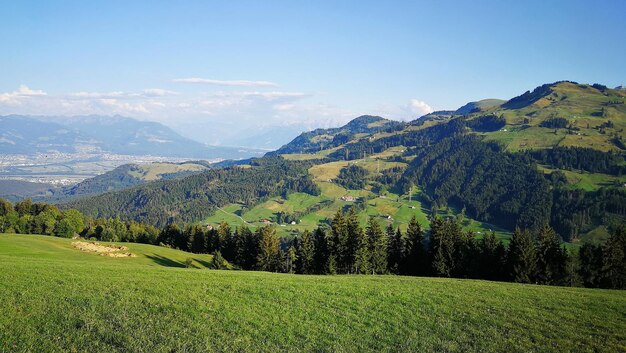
306 253
197 239
551 258
218 262
522 257
337 243
268 256
290 260
248 247
357 259
492 257
614 264
226 241
590 258
321 255
378 243
445 239
396 250
356 245
415 255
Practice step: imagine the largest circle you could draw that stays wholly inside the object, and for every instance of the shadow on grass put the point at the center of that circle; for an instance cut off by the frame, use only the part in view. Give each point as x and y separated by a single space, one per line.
206 264
165 261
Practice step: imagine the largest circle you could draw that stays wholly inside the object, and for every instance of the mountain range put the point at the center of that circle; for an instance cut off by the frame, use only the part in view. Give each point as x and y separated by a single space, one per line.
554 155
104 134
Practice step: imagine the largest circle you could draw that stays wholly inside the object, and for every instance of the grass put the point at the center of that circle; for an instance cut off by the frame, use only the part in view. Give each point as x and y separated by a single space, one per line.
46 247
585 180
56 301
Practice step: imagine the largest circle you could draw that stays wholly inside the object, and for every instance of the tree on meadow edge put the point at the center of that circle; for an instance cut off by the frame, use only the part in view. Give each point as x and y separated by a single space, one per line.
492 257
614 264
522 257
551 258
358 259
378 243
268 257
396 250
305 253
415 259
197 239
321 253
337 244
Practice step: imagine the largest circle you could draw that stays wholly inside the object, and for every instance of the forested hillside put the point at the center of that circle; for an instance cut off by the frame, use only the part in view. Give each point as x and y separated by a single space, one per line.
553 156
196 196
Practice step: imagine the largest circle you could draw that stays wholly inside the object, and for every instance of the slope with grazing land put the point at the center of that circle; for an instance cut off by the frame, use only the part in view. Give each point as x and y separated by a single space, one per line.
497 164
77 301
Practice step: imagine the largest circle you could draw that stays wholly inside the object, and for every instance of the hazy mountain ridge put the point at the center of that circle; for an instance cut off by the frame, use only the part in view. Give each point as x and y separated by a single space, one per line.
100 134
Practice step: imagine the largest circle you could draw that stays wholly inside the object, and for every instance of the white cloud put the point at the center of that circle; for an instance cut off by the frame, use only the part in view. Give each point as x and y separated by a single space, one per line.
233 83
16 97
158 92
102 95
419 107
23 90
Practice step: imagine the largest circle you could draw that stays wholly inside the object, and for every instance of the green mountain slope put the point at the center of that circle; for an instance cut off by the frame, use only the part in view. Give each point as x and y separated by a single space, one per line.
552 156
129 175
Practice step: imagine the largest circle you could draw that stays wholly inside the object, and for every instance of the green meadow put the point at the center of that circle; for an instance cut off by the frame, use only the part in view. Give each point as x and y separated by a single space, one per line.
55 298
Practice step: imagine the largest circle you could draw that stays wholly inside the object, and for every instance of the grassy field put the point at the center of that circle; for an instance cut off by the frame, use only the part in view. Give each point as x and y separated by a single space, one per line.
587 181
57 299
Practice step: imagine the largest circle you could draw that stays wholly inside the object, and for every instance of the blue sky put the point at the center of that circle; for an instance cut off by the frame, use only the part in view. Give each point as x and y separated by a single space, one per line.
208 67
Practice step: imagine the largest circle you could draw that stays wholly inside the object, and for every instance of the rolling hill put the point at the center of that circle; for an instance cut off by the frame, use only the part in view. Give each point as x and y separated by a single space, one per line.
552 155
57 298
129 175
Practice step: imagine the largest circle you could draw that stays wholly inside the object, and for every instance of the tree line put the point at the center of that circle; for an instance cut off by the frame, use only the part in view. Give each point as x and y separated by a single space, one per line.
345 247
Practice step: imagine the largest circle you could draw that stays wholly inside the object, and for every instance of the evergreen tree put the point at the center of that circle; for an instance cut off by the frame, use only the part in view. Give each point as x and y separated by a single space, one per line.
197 239
290 260
218 262
321 254
378 243
551 258
445 239
225 241
396 250
492 257
337 244
168 235
268 256
522 257
306 253
415 255
355 244
248 247
358 252
614 264
590 260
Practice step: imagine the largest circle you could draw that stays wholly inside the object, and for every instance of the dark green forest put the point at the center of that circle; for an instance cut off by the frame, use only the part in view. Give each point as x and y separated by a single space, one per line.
196 196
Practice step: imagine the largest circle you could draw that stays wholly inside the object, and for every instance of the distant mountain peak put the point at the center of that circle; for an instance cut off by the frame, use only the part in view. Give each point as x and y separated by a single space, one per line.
478 106
530 97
